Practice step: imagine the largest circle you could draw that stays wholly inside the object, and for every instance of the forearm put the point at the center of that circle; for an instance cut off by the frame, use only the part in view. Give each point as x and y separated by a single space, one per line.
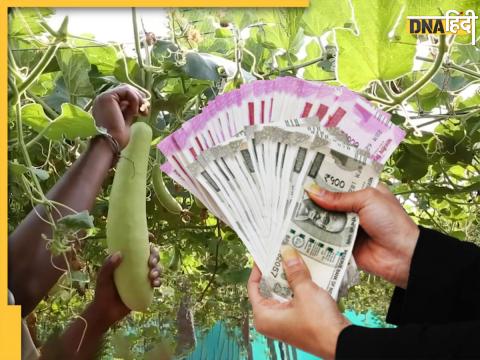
83 339
31 273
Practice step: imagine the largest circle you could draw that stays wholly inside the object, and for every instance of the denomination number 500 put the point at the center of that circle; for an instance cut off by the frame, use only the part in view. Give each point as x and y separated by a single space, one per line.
334 181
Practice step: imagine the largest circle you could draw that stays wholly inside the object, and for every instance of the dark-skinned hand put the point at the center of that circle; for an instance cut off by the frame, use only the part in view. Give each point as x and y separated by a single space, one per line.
116 109
107 300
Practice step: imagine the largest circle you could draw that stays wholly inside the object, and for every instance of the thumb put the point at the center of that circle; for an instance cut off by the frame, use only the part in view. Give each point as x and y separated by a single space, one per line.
111 264
295 269
338 201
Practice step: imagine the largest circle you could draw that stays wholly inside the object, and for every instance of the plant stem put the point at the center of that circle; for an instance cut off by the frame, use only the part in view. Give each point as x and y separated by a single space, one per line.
136 38
386 89
38 70
37 137
442 50
417 86
45 106
376 99
295 67
453 66
462 69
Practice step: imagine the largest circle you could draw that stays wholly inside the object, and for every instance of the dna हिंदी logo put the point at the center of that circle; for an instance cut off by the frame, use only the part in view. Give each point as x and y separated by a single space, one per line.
453 23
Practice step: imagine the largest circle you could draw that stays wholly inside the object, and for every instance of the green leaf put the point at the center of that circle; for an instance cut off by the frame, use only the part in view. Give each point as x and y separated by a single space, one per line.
16 169
34 116
412 161
26 21
75 66
223 33
373 54
466 54
43 85
285 32
463 102
132 68
104 58
80 221
324 15
458 234
163 50
236 276
72 123
438 7
80 277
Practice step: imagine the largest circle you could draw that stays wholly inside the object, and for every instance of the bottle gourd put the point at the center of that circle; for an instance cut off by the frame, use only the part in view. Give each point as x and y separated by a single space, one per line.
127 220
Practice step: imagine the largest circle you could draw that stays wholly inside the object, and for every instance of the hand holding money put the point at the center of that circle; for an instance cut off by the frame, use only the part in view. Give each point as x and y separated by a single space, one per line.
388 235
311 321
251 153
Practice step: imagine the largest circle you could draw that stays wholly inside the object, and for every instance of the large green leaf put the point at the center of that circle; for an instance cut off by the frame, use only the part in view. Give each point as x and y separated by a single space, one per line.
34 116
324 15
72 123
26 21
104 58
438 7
131 66
373 53
75 66
286 32
412 161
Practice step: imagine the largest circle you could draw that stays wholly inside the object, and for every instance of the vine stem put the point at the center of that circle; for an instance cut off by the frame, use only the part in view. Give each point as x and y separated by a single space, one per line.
295 67
442 50
38 70
37 137
136 36
417 86
462 69
24 151
47 108
451 65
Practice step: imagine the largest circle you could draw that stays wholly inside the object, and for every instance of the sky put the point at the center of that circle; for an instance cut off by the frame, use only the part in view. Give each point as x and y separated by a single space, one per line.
110 24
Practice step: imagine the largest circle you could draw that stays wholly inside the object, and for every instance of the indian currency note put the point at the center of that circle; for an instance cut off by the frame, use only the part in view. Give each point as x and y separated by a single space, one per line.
324 239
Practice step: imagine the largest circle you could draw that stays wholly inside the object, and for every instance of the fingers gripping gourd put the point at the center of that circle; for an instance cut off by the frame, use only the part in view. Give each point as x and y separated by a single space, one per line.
163 195
127 220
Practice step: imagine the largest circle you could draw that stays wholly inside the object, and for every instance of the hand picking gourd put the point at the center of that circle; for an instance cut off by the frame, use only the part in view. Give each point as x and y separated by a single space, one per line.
127 220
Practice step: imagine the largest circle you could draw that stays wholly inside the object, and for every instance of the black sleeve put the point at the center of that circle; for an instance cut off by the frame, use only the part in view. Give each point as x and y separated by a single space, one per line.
439 312
443 285
453 341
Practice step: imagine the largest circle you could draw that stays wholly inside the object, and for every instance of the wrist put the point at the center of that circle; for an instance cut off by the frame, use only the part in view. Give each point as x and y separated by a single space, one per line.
329 338
405 260
100 316
106 147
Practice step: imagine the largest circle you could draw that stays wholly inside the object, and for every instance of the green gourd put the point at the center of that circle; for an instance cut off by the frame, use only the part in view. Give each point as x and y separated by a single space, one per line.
127 220
163 195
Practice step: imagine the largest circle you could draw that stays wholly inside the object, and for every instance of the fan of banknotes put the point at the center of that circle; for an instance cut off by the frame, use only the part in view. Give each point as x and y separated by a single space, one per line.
251 153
